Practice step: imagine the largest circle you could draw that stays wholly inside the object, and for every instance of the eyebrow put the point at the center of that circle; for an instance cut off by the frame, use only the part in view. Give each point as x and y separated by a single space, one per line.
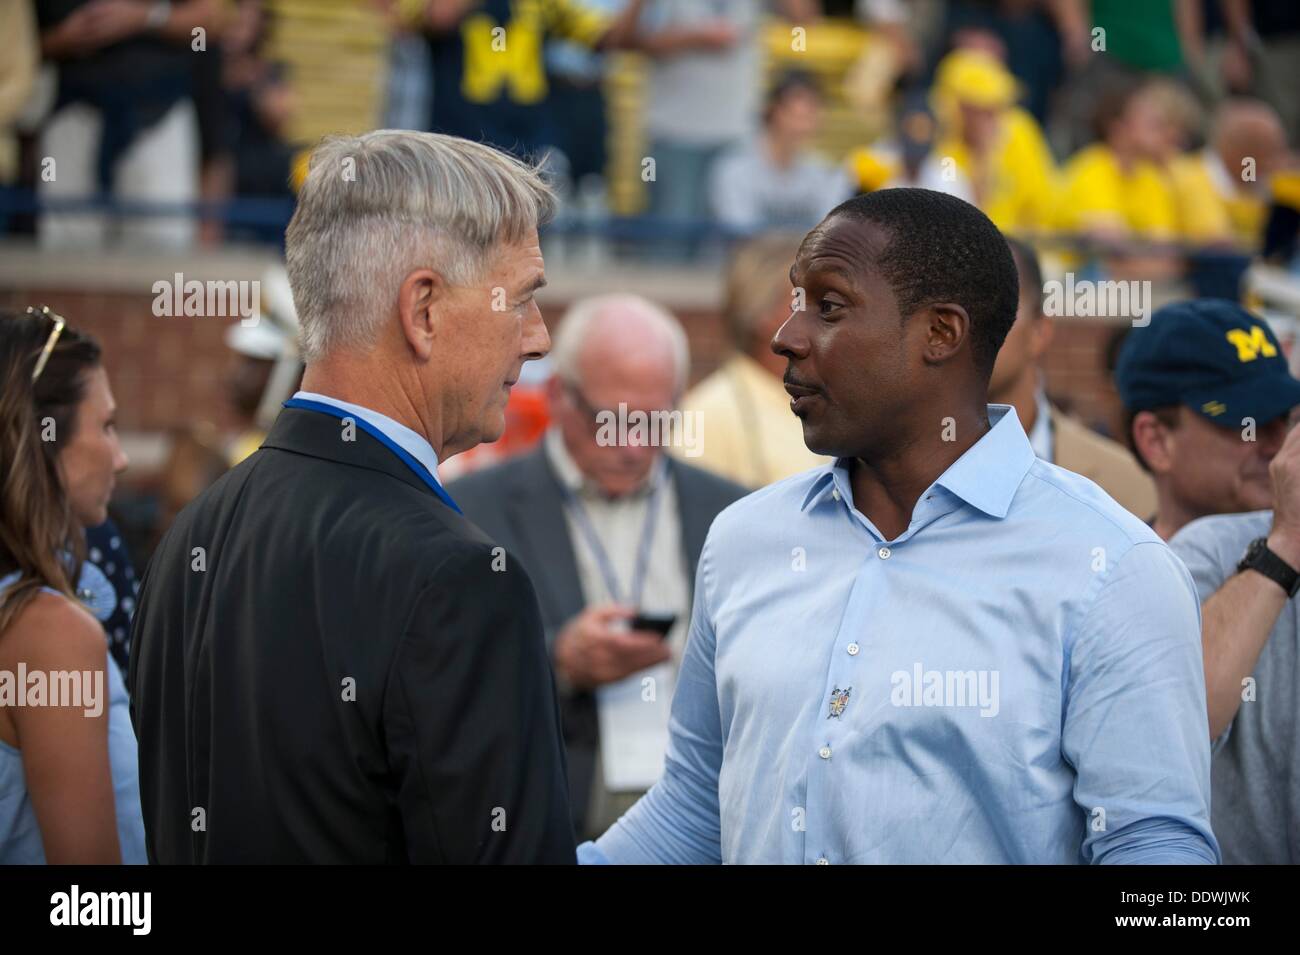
841 270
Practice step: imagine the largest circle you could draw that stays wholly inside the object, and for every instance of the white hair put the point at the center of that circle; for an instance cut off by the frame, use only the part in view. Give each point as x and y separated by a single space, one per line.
575 326
377 206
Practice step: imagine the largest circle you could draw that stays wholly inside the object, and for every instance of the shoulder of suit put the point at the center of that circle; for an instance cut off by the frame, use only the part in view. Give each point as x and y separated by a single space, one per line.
404 514
1079 438
493 478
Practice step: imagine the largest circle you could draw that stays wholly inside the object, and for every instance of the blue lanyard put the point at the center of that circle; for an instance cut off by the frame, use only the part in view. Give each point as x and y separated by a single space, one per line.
420 470
598 549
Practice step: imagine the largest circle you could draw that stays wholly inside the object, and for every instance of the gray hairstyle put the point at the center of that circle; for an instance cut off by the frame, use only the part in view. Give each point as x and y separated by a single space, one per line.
377 206
574 327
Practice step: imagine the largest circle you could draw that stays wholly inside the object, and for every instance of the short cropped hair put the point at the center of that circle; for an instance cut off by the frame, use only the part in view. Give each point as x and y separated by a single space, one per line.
942 249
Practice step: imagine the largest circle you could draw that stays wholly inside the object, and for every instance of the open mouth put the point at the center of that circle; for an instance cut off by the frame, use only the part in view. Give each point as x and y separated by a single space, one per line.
801 396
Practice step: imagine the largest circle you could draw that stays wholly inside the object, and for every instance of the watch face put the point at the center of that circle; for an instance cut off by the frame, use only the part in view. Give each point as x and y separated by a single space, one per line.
1256 548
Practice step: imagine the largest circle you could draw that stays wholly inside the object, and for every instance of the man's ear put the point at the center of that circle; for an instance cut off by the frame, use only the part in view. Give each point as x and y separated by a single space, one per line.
947 326
1044 330
1151 438
419 297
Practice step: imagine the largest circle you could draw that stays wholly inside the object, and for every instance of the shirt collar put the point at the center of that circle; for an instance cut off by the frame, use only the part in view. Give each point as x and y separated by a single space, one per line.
573 480
412 442
986 477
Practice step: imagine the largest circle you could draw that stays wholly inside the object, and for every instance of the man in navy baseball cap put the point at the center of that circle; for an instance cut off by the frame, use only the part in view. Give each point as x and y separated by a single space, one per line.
1207 397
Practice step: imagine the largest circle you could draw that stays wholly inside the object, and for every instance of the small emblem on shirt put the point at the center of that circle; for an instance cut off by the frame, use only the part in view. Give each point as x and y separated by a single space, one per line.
839 700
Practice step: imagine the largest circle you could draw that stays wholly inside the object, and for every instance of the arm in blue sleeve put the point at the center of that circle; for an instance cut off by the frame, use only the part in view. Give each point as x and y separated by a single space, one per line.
677 821
1135 725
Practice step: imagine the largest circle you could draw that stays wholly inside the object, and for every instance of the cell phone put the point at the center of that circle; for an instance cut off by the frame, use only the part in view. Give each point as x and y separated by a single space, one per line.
659 623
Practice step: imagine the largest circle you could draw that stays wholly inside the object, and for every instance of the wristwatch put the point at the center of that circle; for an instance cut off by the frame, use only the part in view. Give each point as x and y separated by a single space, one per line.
1262 560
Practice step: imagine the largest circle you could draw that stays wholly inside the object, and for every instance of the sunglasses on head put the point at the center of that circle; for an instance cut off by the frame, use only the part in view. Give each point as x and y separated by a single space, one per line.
53 340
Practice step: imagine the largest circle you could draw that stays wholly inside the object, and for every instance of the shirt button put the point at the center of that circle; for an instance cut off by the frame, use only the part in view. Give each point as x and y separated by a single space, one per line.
824 752
823 861
884 553
835 493
853 649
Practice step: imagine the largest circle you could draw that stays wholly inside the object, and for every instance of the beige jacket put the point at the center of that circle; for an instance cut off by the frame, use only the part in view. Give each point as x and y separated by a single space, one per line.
1080 449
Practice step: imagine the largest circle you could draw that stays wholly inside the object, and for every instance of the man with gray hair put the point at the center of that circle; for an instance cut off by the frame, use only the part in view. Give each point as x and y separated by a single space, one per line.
611 529
332 664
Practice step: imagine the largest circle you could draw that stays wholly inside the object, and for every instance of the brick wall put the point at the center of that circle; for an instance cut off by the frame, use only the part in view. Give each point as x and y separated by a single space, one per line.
168 372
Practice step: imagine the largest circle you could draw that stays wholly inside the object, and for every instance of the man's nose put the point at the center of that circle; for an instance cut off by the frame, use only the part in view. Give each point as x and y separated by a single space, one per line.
789 340
537 340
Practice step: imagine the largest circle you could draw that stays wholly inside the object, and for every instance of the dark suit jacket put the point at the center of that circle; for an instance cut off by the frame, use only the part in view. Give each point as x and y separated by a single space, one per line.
341 674
520 503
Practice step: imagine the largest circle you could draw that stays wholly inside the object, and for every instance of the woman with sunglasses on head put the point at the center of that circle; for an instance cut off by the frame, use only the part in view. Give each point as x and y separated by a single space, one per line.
69 783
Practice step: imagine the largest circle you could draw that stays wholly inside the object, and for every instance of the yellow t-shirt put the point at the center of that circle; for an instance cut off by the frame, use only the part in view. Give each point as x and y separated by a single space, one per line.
1202 211
1097 192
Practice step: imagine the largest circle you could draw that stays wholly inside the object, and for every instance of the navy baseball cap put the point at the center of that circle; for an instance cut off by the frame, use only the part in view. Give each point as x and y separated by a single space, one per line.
1211 355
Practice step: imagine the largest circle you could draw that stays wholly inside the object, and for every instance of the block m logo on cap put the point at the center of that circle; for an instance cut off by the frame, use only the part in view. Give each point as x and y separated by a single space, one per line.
1251 343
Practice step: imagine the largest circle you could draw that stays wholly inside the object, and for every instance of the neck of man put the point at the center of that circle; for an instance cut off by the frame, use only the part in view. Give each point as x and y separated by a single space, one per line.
374 385
1171 515
886 488
1021 394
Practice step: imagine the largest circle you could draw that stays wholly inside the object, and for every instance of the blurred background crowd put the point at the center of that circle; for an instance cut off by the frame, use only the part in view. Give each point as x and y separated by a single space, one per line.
692 143
1141 141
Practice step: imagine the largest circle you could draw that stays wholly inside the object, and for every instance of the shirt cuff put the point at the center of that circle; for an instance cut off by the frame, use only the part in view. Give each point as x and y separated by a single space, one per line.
590 854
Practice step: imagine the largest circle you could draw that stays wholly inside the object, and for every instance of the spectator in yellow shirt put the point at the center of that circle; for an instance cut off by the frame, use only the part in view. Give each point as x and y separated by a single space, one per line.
1223 190
750 435
995 146
1115 190
971 141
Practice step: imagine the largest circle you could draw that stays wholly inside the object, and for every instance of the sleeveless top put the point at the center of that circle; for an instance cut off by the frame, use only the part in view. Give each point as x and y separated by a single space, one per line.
20 836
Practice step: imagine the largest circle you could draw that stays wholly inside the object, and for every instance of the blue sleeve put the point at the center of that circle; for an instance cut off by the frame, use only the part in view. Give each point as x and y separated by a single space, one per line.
1135 724
677 821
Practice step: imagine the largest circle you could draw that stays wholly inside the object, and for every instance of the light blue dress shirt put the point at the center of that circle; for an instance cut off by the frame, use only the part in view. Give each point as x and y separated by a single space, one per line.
1017 678
412 442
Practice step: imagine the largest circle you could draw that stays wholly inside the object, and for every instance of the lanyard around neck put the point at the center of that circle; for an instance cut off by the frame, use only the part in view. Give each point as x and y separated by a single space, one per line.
403 455
597 549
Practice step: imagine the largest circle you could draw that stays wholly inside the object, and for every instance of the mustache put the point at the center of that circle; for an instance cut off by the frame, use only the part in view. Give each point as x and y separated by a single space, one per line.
794 381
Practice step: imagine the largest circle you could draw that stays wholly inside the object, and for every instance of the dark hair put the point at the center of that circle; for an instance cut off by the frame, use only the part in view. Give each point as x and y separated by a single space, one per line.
1028 270
1167 415
38 533
942 249
794 81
